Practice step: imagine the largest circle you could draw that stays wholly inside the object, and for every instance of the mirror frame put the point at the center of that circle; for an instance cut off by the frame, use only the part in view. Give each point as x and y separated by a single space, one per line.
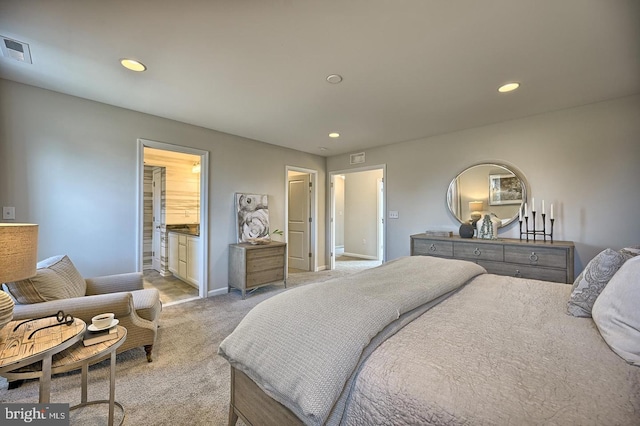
508 168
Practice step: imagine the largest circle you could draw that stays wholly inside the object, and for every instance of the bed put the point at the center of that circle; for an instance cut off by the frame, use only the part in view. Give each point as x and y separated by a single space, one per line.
424 340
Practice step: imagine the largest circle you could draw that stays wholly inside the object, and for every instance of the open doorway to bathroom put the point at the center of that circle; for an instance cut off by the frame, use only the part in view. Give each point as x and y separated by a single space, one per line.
172 218
357 218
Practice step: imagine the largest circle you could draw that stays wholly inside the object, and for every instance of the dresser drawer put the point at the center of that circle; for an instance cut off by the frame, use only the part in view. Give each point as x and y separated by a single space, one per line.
261 277
264 263
536 256
264 252
432 248
524 271
478 251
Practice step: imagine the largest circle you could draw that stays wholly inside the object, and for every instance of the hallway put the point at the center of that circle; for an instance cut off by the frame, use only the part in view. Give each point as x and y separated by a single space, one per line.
347 263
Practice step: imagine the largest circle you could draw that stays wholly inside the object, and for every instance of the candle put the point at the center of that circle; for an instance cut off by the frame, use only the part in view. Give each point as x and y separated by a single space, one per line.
542 206
552 211
520 214
525 210
533 204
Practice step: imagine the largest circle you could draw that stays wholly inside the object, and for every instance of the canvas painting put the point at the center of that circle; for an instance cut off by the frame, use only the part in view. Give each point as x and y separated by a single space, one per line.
252 217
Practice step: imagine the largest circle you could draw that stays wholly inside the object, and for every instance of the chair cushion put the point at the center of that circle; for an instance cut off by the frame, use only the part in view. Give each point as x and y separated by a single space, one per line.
56 278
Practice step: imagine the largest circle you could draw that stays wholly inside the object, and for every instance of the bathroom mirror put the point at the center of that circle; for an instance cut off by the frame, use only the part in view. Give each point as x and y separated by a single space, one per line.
487 188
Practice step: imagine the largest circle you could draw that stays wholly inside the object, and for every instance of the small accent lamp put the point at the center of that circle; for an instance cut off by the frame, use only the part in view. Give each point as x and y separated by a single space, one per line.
18 259
476 208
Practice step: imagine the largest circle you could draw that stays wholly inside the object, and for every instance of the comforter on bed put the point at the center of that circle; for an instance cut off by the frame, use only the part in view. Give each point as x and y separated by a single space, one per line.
501 351
303 346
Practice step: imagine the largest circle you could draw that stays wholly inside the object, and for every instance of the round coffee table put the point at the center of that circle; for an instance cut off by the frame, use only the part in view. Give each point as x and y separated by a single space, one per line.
24 343
77 356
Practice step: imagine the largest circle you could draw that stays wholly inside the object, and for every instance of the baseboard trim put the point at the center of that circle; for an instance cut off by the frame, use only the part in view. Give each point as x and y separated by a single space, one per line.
217 292
360 256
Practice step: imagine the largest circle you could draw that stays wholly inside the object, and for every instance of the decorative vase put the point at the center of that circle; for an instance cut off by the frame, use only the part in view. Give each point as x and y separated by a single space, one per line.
6 309
488 227
466 230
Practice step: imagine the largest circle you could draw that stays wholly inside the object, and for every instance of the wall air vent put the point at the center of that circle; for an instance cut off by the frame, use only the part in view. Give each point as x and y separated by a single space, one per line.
356 158
14 49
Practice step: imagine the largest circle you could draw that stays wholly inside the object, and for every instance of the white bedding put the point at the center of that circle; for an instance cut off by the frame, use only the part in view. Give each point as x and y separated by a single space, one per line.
302 346
501 351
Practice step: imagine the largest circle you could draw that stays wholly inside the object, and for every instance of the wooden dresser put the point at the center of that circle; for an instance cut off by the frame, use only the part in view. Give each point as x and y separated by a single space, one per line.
252 266
540 260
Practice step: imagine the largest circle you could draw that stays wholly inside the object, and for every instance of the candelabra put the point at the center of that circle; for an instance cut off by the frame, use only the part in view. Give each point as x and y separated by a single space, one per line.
536 232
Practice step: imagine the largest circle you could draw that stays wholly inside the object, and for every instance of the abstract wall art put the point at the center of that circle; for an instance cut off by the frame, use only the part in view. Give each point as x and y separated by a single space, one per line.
252 217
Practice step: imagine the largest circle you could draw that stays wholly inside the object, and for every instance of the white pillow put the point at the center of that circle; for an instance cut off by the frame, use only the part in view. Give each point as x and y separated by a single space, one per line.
616 312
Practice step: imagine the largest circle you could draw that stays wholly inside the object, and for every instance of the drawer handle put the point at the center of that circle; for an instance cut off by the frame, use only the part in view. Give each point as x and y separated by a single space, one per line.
432 247
517 274
533 257
476 252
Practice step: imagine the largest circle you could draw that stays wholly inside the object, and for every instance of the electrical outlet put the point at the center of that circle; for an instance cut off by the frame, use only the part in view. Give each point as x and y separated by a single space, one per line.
9 213
393 214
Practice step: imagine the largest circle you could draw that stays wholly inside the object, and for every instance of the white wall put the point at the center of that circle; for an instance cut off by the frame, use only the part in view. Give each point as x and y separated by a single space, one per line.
586 160
70 165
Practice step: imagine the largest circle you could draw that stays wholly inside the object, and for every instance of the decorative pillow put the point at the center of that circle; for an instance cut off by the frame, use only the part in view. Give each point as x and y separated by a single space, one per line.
592 280
616 312
631 251
56 278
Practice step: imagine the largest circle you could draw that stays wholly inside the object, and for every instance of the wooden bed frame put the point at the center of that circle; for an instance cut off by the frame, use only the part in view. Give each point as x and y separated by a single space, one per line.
254 406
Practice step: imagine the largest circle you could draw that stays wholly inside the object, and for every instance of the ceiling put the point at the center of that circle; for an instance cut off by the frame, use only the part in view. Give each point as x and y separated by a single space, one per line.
257 68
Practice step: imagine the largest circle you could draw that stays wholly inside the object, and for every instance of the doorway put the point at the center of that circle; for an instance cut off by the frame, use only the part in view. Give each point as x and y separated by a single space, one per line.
300 217
357 217
172 213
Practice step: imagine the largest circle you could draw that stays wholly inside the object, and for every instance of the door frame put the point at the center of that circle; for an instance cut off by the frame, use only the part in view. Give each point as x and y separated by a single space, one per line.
204 205
156 239
332 222
313 211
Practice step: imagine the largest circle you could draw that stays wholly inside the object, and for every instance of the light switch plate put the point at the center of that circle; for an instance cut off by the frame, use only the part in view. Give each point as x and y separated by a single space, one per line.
393 214
8 213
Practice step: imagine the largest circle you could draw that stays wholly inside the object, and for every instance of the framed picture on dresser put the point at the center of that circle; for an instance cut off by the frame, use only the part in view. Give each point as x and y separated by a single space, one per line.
504 189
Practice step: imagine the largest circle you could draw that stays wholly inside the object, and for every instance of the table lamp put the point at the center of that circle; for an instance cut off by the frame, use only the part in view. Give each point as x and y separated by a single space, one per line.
476 208
18 259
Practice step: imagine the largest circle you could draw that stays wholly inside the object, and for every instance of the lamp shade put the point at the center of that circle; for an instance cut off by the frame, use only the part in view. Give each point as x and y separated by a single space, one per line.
18 259
476 206
18 251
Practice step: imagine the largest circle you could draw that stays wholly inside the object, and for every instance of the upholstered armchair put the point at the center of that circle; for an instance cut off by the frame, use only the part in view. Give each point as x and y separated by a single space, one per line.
59 286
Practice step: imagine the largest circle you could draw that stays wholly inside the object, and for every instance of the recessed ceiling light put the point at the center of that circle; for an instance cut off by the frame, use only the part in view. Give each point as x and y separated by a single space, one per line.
133 65
323 148
334 135
334 78
508 87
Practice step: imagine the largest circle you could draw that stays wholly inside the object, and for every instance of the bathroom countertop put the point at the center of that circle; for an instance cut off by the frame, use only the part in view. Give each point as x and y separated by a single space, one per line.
193 230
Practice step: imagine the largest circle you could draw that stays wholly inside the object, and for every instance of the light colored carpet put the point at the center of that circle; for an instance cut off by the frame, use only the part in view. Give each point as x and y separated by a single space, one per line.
186 384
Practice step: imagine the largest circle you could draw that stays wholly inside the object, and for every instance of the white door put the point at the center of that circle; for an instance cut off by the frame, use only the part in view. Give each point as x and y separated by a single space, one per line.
380 220
299 221
157 219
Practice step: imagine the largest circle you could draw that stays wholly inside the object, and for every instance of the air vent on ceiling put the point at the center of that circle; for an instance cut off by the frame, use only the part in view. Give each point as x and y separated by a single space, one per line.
15 49
356 158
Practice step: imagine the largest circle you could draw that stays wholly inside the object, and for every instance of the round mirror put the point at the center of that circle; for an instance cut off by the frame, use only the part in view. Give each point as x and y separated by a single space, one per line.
487 189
